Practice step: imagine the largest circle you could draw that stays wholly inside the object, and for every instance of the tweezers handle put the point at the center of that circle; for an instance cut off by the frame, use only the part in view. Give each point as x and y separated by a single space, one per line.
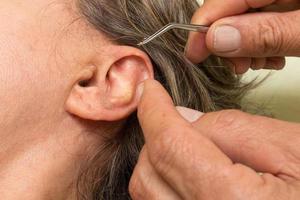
188 27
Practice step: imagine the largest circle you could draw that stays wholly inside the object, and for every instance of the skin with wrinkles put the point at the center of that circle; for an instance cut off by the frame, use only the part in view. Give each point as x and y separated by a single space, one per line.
222 151
219 155
266 36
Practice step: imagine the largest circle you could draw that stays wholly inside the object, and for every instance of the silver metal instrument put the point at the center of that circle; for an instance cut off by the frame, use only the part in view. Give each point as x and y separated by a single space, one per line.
188 27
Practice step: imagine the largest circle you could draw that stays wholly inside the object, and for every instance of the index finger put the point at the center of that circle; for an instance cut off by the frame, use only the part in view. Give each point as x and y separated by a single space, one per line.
176 151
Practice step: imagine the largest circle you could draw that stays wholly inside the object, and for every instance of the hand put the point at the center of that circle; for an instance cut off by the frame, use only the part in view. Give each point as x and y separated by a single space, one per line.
247 40
215 157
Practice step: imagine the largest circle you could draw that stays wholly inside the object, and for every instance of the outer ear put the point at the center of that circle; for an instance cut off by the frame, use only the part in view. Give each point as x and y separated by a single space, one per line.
109 90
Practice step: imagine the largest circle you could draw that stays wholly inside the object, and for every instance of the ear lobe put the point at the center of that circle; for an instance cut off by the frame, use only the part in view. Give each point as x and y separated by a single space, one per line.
113 95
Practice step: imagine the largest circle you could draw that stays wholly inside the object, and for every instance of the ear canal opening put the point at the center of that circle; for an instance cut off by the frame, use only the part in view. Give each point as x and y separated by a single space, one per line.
88 81
83 83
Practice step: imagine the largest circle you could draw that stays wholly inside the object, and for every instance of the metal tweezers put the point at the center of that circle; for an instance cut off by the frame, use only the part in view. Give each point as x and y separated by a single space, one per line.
188 27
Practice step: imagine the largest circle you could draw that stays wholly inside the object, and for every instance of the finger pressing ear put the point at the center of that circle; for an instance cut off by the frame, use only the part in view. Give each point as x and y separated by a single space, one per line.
156 111
175 147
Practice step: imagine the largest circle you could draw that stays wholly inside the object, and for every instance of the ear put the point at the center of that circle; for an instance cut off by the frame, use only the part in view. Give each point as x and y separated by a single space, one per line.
108 90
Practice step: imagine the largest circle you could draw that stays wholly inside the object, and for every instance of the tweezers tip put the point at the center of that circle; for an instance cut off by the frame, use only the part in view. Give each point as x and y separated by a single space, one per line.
145 41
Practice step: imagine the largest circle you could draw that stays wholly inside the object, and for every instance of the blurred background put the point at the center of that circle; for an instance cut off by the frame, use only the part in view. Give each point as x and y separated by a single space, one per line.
279 95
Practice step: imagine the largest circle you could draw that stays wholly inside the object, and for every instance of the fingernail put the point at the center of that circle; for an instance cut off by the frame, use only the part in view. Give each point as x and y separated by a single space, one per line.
226 39
189 114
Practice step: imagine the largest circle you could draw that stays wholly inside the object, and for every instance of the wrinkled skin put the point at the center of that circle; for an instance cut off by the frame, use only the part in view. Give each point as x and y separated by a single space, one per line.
215 157
226 155
264 37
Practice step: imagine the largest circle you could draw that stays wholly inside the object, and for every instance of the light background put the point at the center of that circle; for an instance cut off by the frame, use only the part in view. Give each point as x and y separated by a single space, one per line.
280 93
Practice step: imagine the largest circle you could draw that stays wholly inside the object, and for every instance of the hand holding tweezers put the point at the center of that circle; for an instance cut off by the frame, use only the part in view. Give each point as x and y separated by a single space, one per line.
188 27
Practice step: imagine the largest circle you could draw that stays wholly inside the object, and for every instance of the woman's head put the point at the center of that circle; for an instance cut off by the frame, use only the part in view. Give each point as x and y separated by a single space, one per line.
71 69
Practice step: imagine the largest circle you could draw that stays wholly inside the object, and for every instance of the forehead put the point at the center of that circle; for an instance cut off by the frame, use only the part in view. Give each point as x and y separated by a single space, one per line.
35 18
35 9
31 4
41 24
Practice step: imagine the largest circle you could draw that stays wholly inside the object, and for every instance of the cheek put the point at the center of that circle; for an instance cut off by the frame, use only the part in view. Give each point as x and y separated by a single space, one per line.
18 78
38 57
26 79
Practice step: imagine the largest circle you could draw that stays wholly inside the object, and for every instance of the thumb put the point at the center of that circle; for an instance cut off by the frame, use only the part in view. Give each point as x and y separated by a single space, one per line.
256 35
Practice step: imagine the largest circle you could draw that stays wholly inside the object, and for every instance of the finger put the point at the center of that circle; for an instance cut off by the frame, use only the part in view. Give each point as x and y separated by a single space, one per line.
276 63
241 65
198 51
211 11
189 162
264 144
287 2
156 111
204 14
258 63
146 184
282 6
256 35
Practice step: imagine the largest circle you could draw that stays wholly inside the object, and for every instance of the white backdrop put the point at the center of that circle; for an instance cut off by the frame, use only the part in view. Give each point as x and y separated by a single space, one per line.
280 93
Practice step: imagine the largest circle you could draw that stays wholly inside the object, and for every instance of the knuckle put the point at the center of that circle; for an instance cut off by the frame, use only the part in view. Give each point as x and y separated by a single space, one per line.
238 126
228 119
136 189
235 178
270 37
166 148
146 109
163 147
